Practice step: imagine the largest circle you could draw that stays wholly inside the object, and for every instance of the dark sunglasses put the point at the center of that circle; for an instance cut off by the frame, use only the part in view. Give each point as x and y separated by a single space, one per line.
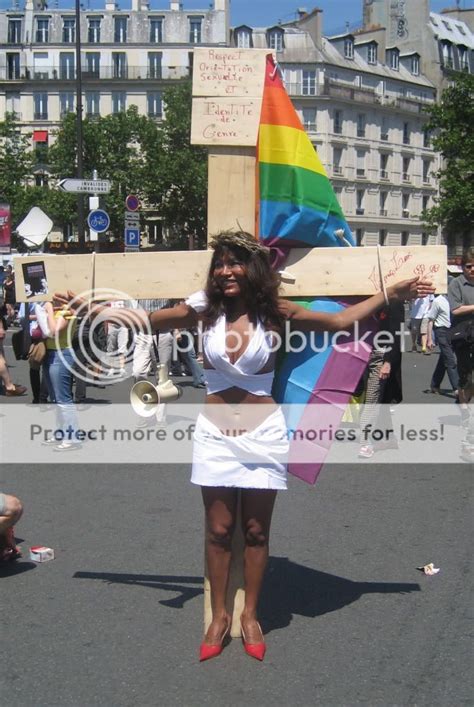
469 266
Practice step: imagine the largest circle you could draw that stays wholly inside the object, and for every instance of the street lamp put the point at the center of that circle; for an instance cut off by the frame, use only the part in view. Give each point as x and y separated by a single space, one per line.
80 164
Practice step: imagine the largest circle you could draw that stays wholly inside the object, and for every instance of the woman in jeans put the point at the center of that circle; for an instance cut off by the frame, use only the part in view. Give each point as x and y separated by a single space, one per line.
58 369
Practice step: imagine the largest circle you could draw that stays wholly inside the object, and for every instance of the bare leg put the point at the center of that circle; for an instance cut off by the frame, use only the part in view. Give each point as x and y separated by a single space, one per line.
220 505
11 513
257 509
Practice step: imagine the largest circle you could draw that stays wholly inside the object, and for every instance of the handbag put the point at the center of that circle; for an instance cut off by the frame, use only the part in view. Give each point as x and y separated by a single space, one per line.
462 332
36 354
36 334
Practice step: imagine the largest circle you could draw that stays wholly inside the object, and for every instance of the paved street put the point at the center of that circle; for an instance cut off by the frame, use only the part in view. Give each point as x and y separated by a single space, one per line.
116 618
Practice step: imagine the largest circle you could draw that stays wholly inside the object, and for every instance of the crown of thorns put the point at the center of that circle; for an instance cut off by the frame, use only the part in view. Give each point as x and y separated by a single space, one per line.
238 239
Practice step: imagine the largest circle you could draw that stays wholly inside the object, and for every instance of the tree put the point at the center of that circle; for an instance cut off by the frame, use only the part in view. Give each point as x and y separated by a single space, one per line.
16 161
451 122
175 175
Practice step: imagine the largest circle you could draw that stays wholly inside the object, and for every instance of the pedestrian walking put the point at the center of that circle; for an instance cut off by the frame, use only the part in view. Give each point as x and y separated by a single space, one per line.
439 323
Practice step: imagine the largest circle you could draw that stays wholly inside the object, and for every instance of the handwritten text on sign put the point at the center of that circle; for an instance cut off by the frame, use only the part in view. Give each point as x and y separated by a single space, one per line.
225 121
228 72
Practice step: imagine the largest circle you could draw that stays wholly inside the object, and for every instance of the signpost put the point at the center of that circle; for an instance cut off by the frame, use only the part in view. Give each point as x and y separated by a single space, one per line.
132 202
132 238
98 220
85 186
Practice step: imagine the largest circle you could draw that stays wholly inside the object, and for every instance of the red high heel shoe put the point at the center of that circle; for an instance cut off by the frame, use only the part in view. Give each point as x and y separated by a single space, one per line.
207 651
254 650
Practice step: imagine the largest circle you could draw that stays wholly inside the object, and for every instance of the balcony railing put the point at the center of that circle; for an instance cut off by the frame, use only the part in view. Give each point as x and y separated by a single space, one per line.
405 213
349 93
426 180
383 212
359 211
406 177
360 172
111 73
337 170
297 88
360 132
384 136
383 174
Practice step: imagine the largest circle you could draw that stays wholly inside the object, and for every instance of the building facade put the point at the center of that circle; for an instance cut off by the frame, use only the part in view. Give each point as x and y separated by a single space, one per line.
362 106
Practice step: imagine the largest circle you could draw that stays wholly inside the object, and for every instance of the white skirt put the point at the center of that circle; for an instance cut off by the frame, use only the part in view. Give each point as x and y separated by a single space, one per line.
255 460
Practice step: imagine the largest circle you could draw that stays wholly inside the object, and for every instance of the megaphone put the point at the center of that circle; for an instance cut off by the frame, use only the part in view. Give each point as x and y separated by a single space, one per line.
145 397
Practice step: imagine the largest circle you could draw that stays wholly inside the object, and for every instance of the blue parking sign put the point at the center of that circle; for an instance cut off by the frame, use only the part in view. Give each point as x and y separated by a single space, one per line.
132 237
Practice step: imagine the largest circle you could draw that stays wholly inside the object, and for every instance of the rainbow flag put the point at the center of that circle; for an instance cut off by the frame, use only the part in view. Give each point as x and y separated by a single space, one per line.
297 207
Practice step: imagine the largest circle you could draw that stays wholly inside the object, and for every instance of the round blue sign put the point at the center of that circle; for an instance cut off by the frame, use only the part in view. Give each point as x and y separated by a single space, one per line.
98 220
132 202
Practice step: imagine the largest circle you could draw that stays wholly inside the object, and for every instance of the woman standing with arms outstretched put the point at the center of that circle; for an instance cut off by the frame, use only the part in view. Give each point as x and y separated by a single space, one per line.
244 325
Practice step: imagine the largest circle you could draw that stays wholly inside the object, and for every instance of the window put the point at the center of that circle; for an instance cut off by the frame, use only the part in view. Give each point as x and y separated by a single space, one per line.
195 30
405 205
383 203
14 30
155 231
359 236
447 52
384 129
394 59
93 64
405 237
460 29
425 203
384 165
406 161
69 30
382 236
426 171
66 102
119 100
426 138
360 156
361 125
92 103
447 25
338 121
360 193
275 40
336 160
154 104
40 105
41 179
244 39
156 30
154 65
13 66
415 65
93 34
308 83
349 48
120 30
406 133
463 65
67 65
42 30
309 119
119 65
372 54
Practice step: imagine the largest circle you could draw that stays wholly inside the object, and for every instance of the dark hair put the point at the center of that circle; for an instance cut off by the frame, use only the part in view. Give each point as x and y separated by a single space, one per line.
260 290
467 256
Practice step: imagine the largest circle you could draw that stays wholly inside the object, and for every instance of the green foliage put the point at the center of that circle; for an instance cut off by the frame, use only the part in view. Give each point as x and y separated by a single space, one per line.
138 155
175 175
451 122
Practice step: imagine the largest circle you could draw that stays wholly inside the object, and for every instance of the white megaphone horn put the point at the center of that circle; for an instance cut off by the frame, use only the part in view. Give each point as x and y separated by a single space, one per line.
145 397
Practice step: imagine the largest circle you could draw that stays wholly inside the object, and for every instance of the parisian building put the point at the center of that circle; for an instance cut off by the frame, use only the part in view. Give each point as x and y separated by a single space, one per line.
361 96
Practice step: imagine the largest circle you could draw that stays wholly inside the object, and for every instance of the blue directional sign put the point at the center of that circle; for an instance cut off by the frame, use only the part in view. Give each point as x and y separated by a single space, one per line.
132 237
98 220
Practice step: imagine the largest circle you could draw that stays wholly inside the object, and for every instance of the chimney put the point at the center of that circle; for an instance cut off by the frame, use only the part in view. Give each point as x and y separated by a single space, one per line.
110 5
175 5
301 11
313 24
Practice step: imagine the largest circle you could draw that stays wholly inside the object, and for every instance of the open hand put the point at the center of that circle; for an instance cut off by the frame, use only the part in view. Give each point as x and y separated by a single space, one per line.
410 289
70 299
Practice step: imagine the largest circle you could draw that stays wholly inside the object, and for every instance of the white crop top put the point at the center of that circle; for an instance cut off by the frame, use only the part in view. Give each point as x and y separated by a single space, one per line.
243 373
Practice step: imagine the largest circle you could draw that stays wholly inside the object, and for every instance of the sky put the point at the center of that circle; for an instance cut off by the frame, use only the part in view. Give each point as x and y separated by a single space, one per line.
263 13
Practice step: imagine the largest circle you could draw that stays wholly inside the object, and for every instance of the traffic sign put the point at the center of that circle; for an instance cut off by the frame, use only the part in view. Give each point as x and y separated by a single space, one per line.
132 202
85 186
98 220
131 217
132 237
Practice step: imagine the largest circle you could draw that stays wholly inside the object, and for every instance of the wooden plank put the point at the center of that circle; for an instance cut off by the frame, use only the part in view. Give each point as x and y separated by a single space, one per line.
308 272
62 272
231 195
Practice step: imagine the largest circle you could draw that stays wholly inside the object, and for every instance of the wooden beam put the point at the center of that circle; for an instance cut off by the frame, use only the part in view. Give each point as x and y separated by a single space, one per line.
308 272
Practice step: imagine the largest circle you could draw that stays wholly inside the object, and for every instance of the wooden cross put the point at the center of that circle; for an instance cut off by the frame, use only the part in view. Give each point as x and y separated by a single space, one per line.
228 90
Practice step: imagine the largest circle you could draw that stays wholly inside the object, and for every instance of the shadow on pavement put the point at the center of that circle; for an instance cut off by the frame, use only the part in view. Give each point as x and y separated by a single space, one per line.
289 589
169 583
9 569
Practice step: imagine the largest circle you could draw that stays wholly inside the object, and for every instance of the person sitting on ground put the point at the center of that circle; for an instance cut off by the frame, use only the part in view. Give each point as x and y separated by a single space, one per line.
11 510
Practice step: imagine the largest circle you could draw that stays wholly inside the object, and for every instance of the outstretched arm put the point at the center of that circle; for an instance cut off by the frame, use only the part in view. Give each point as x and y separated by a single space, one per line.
306 320
177 317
